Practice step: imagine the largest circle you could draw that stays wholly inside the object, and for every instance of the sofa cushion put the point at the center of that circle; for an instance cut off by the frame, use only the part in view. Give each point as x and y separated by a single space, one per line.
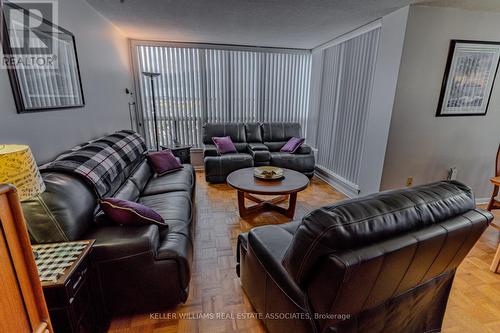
257 146
225 164
141 175
261 155
128 191
275 146
130 213
181 180
164 162
241 147
273 132
175 208
253 132
224 145
301 163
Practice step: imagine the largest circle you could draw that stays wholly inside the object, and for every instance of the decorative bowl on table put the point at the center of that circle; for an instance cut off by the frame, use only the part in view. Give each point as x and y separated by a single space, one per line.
268 172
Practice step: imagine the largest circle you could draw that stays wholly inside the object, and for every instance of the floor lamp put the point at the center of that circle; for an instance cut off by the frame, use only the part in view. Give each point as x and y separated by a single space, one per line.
151 76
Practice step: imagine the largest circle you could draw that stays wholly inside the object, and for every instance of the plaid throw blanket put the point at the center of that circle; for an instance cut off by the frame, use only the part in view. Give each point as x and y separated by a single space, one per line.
101 161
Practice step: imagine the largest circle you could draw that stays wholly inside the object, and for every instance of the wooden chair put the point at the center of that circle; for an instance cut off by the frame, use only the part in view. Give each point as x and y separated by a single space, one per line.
495 204
495 265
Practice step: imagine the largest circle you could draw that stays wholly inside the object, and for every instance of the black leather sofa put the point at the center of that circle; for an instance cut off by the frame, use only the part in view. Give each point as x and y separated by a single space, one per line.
257 144
140 268
382 263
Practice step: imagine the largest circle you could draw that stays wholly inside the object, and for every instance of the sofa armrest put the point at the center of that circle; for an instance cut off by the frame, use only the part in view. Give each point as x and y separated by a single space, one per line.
257 147
269 243
304 150
261 155
178 247
210 150
114 242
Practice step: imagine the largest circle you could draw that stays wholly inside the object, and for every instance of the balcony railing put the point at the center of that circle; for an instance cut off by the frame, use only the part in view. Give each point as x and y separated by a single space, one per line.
185 130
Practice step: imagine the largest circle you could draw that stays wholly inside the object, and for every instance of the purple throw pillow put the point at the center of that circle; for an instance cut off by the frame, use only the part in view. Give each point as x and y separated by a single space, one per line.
164 162
129 213
224 145
292 145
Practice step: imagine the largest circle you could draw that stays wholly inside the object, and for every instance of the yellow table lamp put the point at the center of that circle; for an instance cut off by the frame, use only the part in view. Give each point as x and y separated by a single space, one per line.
18 167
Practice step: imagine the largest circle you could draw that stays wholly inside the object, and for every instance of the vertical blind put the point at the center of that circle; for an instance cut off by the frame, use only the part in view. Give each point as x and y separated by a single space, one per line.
347 80
199 85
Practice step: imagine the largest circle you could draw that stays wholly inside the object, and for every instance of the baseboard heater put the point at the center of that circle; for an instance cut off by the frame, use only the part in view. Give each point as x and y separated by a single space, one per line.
339 183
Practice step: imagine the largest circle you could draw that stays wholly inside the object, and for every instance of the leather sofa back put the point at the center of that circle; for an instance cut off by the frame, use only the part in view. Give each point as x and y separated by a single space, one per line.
141 175
412 271
63 212
357 223
66 210
133 186
234 130
253 132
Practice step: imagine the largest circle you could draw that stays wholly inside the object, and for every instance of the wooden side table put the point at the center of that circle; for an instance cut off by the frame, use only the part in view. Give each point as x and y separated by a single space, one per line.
182 152
69 285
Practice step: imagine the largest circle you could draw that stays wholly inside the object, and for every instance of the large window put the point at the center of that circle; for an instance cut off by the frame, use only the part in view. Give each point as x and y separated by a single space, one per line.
199 84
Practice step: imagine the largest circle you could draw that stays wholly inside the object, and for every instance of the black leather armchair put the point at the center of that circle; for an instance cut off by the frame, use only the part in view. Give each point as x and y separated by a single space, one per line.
257 144
140 268
382 263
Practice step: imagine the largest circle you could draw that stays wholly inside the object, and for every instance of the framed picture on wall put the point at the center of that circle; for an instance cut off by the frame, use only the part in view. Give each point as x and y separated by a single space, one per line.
468 79
40 58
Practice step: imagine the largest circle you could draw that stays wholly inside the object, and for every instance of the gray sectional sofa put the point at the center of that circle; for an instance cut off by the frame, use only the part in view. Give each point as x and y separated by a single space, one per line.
257 144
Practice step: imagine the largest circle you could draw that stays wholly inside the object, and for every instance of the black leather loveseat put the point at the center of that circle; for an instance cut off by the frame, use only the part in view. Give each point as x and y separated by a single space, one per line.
382 263
257 144
140 268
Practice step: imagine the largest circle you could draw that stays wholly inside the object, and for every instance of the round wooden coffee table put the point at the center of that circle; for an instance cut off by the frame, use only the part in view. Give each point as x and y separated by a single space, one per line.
246 184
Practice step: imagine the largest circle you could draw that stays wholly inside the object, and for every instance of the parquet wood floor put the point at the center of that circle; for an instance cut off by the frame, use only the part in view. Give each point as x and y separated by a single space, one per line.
474 305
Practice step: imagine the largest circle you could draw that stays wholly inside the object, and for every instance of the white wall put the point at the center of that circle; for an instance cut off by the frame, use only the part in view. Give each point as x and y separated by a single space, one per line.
390 48
103 54
421 145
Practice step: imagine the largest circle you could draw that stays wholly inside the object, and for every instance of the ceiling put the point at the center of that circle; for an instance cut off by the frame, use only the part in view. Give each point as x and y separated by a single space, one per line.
484 5
278 23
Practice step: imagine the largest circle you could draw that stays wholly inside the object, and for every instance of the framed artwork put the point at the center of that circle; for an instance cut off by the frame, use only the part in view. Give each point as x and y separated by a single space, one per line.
468 79
41 60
